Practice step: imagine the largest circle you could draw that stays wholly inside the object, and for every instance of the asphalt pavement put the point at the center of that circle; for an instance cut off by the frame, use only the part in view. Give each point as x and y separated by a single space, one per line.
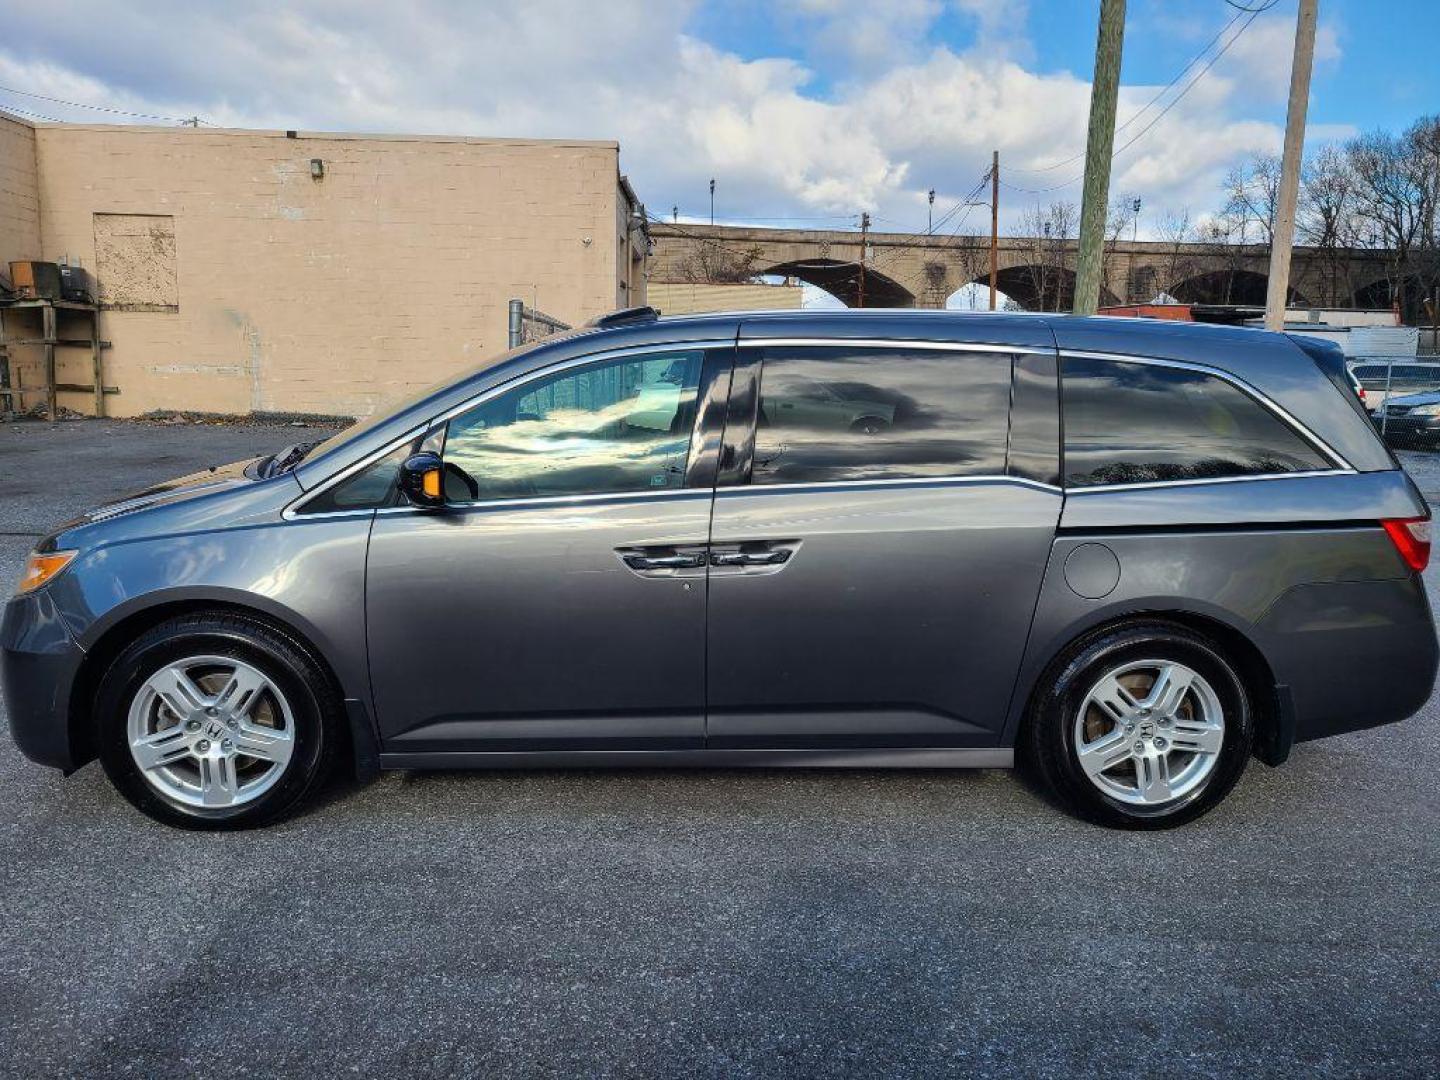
709 923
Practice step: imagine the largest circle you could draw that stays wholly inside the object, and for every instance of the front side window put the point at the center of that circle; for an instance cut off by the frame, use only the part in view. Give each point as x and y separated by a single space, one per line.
840 413
1128 422
618 425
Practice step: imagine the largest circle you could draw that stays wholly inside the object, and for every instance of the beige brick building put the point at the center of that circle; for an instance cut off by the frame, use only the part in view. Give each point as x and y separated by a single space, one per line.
686 297
266 271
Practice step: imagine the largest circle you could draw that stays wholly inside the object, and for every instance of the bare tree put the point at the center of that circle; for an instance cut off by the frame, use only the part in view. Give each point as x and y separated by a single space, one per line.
1394 199
1326 219
1050 232
711 263
1119 220
1251 197
1176 232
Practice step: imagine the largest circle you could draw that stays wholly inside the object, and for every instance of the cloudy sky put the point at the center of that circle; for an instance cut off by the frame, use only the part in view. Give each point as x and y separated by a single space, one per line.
805 111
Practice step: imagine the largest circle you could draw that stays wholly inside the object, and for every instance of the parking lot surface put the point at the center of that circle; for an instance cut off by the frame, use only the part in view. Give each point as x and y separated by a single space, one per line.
706 923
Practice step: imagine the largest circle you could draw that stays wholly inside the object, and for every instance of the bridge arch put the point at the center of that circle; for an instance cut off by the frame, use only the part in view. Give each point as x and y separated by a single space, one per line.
1035 287
1386 291
1229 286
841 279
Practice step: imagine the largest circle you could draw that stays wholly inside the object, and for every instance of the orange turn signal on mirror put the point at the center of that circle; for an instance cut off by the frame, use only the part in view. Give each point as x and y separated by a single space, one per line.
431 481
40 568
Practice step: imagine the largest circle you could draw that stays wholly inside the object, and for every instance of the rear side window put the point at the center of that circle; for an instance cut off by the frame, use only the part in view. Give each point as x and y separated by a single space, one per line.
834 414
1128 423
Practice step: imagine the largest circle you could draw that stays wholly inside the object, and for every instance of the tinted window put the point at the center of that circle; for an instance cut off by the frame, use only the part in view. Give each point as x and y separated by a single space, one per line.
620 425
833 414
1131 423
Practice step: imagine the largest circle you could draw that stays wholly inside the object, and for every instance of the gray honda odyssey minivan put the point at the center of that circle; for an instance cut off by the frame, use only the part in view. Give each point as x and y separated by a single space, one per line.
1128 554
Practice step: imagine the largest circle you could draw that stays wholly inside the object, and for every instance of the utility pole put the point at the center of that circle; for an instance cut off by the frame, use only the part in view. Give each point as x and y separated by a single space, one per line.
864 243
1284 235
994 223
1099 149
930 220
712 200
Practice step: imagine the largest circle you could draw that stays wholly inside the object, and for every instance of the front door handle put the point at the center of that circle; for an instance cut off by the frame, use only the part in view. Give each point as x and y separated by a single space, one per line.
664 562
750 558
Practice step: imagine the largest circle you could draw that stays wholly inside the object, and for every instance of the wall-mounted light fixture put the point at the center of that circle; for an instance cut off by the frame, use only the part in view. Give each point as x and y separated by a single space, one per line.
317 169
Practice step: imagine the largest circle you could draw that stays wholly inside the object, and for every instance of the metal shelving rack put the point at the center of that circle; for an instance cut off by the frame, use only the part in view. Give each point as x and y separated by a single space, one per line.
11 394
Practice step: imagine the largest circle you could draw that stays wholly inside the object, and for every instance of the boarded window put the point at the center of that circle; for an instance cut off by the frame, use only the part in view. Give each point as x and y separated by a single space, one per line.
135 262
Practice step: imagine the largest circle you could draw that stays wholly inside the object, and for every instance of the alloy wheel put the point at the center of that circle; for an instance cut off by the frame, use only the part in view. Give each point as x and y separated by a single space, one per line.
210 731
1149 732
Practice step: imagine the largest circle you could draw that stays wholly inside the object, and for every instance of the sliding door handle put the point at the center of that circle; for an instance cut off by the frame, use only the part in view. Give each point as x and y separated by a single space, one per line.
750 558
664 562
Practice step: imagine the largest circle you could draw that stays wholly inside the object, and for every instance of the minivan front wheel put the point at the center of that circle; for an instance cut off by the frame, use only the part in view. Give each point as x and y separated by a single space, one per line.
215 722
1142 726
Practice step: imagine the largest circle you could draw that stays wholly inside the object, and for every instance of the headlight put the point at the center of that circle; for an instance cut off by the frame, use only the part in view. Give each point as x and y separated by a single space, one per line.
40 568
1426 410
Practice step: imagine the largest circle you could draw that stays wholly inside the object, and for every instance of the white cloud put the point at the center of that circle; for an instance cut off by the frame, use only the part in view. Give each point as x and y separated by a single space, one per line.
905 116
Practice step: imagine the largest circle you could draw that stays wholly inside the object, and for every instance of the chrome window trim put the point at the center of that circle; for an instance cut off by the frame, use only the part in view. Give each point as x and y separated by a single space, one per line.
902 481
1145 485
295 509
543 502
892 343
1342 466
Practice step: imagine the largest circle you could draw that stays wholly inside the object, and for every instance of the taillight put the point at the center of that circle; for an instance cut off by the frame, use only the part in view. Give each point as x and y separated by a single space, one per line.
1361 392
1411 537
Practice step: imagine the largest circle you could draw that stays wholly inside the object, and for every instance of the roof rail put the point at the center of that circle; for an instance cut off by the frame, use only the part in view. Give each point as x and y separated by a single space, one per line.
625 316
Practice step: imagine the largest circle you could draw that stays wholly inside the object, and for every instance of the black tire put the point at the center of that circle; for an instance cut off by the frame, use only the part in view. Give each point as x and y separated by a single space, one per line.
314 705
1048 740
869 425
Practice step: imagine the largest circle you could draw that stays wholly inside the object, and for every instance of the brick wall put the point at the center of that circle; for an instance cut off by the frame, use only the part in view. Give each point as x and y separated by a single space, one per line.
240 283
19 194
684 297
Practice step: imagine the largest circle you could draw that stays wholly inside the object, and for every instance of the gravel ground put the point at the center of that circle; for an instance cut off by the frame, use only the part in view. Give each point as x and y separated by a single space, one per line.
721 923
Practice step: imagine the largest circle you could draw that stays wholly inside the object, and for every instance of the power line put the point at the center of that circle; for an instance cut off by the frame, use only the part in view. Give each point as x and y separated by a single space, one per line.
1158 116
102 108
33 115
912 241
1149 104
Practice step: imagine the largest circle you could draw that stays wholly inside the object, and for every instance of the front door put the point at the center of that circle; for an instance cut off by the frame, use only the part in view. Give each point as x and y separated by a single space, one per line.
877 546
558 601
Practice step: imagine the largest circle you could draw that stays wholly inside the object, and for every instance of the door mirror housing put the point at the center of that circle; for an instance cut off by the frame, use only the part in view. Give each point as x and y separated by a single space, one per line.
422 479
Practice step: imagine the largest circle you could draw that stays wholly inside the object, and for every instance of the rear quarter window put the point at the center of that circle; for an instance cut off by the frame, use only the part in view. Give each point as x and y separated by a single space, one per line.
1128 422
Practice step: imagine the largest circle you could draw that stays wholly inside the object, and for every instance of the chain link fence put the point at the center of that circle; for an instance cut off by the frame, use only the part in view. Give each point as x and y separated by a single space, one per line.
527 324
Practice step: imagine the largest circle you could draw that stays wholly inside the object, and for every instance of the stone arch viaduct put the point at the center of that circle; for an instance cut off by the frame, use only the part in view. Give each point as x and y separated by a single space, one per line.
904 270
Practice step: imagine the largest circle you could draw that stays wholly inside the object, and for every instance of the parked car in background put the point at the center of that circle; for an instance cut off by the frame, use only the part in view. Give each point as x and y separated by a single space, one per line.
1408 377
1413 419
1129 554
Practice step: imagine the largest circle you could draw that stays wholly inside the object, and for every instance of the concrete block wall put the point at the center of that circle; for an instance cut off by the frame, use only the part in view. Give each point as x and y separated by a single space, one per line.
332 295
19 191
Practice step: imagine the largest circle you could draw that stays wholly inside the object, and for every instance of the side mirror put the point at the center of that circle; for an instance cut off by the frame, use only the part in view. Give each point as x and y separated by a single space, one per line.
422 479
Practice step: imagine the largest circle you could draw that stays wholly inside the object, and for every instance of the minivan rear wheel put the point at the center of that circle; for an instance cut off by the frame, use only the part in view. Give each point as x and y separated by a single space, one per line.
1142 726
216 721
